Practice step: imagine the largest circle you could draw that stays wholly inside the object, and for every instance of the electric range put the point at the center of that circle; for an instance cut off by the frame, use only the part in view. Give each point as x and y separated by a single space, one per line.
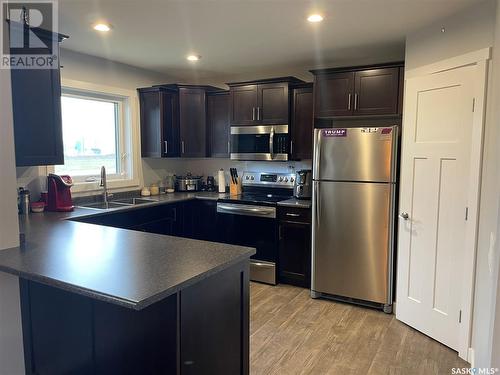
250 219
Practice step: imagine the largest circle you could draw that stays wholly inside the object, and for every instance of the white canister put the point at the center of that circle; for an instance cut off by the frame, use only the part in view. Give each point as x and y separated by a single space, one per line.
221 179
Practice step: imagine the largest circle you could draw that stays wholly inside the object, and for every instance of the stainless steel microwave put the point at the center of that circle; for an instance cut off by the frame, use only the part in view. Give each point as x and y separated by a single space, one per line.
261 142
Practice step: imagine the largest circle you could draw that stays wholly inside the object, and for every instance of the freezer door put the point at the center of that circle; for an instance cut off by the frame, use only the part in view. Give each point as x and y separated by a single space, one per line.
352 240
355 154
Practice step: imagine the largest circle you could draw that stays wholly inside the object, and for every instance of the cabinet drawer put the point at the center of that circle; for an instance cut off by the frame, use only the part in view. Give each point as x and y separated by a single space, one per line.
300 215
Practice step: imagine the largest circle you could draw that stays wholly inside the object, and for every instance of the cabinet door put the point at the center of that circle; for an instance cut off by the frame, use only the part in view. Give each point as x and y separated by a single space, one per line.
273 104
36 104
333 94
295 253
151 137
218 125
192 118
302 124
376 92
244 105
170 124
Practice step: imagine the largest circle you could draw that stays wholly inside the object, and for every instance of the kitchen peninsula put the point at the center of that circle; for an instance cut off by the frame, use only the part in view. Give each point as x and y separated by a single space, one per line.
101 300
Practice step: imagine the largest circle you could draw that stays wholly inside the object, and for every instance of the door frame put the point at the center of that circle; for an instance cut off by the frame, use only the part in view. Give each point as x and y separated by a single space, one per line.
479 59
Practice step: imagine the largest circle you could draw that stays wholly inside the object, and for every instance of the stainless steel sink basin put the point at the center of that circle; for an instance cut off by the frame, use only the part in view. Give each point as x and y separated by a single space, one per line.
104 206
133 201
118 203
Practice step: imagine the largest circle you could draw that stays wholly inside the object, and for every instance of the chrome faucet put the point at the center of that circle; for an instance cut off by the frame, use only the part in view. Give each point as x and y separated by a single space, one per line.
104 184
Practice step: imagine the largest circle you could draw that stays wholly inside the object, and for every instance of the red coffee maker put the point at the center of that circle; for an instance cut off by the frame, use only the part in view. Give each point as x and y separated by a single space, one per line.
59 193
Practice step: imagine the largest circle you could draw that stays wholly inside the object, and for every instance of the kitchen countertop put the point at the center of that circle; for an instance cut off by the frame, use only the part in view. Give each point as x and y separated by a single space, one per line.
129 268
298 203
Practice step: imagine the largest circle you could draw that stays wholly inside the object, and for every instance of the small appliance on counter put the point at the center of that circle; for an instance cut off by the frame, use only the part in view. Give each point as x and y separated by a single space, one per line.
188 183
303 184
59 193
210 184
23 201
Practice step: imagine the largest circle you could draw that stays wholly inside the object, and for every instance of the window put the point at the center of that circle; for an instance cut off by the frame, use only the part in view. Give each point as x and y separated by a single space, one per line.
97 131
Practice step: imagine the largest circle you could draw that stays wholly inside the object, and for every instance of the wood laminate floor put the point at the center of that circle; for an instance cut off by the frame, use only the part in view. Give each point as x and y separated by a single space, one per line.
294 334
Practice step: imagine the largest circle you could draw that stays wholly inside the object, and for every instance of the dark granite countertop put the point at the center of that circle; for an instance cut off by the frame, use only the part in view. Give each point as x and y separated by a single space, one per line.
298 203
125 267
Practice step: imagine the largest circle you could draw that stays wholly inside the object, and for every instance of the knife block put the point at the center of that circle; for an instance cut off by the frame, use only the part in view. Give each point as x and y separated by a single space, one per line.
235 189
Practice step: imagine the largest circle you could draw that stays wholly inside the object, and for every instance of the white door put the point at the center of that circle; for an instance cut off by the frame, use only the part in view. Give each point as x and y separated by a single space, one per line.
435 168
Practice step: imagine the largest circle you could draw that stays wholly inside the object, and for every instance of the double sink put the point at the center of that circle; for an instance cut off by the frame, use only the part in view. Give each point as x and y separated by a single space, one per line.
118 203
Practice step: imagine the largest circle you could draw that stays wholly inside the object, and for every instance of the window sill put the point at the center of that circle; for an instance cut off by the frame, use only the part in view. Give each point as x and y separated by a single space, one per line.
88 188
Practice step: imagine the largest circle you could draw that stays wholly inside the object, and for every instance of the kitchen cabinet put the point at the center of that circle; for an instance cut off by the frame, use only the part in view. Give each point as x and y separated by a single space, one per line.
36 106
174 120
162 219
199 219
294 263
357 91
192 117
218 119
301 134
261 102
159 123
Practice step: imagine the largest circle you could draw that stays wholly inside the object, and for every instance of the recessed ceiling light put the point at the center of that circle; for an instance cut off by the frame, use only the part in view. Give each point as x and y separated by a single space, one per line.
193 57
315 18
103 27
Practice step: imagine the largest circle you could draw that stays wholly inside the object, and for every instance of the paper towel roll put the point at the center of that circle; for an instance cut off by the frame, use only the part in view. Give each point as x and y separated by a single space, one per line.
221 181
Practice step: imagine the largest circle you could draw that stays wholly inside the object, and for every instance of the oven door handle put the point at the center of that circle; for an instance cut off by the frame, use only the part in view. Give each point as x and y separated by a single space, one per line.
271 143
245 210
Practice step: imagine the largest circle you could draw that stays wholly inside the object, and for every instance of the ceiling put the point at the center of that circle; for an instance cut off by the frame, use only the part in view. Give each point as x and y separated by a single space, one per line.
236 38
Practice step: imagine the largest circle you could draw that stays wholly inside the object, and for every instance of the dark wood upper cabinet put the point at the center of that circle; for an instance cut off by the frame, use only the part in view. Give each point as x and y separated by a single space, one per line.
218 119
159 123
244 105
174 120
333 94
273 105
261 102
302 123
376 92
36 108
192 117
357 91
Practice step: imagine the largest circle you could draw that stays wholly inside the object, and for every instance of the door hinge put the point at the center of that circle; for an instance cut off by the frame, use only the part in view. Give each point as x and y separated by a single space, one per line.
473 104
466 213
460 316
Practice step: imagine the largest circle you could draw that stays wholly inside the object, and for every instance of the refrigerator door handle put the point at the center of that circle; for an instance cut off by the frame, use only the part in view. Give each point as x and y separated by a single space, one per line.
316 201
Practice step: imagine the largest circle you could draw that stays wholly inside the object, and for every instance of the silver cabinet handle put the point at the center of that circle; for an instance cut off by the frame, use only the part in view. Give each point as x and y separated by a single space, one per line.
355 101
291 147
271 143
258 113
404 215
228 147
166 147
182 146
253 113
292 215
349 101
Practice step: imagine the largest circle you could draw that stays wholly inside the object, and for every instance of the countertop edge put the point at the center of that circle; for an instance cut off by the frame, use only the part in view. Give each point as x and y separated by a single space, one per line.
135 305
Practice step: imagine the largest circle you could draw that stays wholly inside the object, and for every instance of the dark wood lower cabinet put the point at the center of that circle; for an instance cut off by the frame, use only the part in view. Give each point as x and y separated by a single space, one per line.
202 329
295 246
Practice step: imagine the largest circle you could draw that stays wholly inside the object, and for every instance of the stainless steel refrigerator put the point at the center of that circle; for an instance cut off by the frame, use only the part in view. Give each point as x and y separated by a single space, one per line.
354 188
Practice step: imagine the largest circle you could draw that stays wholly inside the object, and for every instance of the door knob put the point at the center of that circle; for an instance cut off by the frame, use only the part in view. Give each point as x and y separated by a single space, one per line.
404 215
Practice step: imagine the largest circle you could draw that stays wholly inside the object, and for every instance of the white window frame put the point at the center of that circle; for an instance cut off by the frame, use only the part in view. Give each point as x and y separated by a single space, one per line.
128 175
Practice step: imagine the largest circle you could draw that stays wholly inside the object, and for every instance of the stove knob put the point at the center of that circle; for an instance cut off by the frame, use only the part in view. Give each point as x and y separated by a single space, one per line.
246 178
281 179
252 178
291 179
286 179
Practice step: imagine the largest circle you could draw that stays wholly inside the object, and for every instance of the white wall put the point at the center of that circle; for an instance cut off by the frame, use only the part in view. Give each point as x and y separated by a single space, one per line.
11 348
467 31
495 125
